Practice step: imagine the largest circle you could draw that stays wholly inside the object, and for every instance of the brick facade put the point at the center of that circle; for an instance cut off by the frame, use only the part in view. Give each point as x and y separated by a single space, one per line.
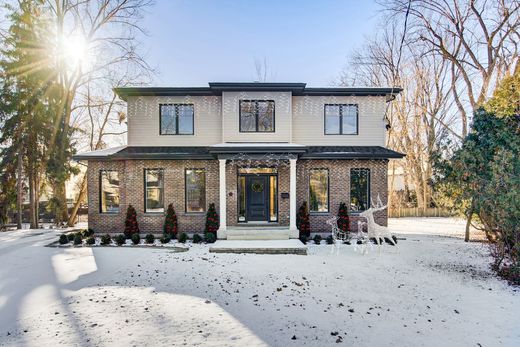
131 177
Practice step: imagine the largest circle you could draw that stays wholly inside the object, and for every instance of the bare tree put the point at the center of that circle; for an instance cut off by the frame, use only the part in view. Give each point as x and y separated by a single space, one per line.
478 38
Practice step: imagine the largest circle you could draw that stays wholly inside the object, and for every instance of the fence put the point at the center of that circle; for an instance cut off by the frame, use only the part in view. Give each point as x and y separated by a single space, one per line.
418 212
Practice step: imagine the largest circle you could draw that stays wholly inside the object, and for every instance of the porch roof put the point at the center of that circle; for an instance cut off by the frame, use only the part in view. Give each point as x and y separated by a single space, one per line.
226 150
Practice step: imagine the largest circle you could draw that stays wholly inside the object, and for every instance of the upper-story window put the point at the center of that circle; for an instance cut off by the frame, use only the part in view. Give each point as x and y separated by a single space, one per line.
176 119
256 116
341 119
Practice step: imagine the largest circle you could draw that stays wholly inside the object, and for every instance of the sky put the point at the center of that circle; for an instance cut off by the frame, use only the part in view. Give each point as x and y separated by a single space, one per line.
193 42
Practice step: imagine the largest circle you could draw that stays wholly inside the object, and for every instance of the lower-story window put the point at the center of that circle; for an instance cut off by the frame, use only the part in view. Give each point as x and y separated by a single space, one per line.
319 190
109 191
359 189
154 188
195 190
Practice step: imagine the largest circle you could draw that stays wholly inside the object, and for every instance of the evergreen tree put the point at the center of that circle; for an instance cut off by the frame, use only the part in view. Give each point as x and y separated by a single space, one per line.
343 218
131 225
302 220
212 220
170 223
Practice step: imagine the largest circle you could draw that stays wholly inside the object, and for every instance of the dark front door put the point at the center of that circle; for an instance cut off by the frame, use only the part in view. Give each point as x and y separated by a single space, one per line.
257 190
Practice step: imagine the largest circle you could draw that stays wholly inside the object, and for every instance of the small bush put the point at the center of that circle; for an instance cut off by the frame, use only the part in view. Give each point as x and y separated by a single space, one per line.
77 239
303 239
91 240
136 238
317 239
71 237
329 240
87 233
63 239
105 239
149 238
165 239
182 237
131 225
210 237
197 238
120 239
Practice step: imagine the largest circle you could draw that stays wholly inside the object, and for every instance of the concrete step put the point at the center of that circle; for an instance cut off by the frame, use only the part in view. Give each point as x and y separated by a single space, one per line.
259 247
240 233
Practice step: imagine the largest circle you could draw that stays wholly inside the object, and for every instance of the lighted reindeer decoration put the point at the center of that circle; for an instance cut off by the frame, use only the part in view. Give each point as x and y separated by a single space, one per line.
375 230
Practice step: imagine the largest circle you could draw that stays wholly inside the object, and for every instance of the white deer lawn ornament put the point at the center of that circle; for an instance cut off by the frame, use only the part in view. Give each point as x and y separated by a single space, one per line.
375 230
338 236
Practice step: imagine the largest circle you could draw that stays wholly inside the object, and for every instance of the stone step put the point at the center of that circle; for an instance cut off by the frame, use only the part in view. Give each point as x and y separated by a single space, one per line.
259 247
257 234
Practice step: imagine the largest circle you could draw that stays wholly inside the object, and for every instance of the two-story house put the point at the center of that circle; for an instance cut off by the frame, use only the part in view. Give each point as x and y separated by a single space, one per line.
256 150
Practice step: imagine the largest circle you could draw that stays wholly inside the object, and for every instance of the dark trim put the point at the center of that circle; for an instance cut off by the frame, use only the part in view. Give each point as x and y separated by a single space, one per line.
101 192
328 191
176 109
340 119
186 191
145 190
216 88
255 101
350 188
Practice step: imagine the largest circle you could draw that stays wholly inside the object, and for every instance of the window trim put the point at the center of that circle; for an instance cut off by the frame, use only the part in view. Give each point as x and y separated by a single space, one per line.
369 190
186 191
256 115
101 192
328 191
340 119
176 119
145 190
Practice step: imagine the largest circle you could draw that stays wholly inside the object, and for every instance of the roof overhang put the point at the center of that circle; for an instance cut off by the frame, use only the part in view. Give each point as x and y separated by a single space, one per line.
216 88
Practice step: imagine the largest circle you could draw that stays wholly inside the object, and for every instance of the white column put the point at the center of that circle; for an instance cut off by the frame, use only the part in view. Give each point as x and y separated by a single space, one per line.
221 232
293 231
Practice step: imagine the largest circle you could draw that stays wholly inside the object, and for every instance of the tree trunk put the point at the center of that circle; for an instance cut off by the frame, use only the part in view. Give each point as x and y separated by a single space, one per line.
81 196
468 222
19 196
32 207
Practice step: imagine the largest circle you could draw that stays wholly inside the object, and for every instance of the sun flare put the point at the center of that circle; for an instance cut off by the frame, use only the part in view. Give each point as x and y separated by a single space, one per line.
75 52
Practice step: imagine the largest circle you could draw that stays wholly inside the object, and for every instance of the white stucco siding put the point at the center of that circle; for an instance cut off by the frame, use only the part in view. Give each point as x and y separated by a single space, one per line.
308 121
143 121
231 114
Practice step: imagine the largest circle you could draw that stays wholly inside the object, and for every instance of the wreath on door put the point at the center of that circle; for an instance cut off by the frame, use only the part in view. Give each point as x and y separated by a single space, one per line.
257 187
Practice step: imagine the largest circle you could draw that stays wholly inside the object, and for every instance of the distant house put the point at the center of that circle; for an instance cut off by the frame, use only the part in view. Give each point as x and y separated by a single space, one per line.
256 150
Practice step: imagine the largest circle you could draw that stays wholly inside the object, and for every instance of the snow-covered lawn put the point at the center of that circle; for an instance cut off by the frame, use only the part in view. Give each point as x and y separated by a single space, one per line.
429 291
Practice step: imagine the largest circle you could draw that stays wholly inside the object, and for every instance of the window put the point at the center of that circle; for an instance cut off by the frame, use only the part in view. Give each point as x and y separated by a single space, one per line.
109 191
195 190
176 119
256 116
154 190
319 190
341 119
359 189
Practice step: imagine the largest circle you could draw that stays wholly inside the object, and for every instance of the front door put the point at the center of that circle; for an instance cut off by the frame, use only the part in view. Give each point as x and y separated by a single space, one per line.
257 191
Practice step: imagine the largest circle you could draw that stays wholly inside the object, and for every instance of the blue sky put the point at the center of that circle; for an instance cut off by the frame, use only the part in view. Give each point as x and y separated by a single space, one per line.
192 42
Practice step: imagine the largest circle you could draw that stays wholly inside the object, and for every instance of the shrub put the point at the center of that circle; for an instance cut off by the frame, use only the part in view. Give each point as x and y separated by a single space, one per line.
136 239
302 220
197 238
329 240
210 237
91 240
166 238
182 237
343 219
120 239
303 239
170 222
317 239
77 239
78 234
212 220
71 236
131 225
149 238
87 232
105 239
63 239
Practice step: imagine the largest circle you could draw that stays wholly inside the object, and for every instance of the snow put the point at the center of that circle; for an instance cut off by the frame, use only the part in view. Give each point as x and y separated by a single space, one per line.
431 290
